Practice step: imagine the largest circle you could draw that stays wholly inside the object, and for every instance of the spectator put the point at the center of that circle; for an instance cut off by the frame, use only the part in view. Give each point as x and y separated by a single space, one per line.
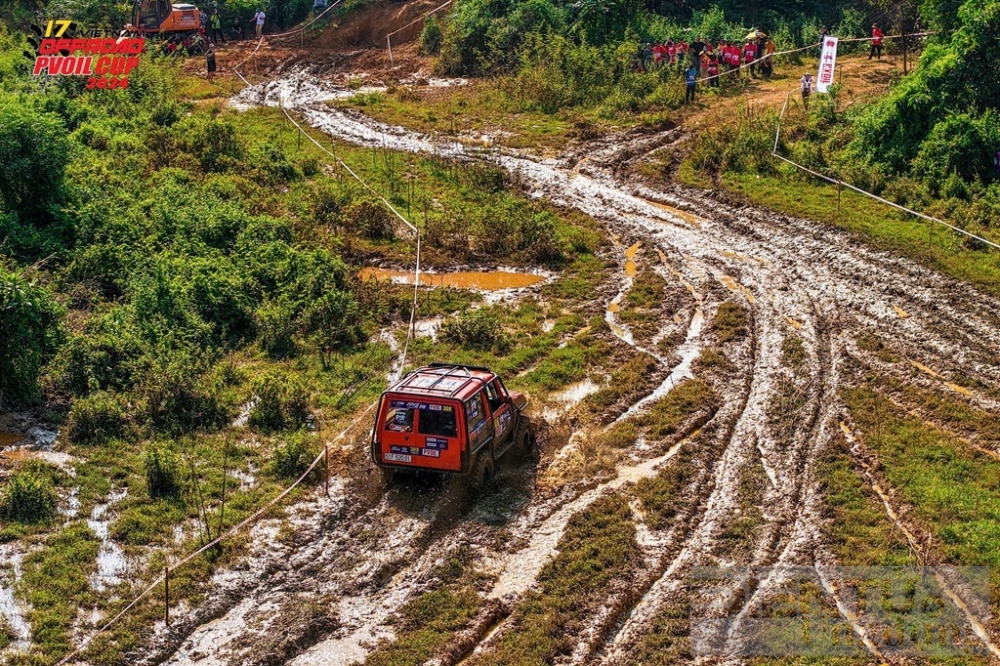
767 67
713 71
691 79
236 31
210 62
750 56
996 163
807 82
696 49
216 21
876 42
259 18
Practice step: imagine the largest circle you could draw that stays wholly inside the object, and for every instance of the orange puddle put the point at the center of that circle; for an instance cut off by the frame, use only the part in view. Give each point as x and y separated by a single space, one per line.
690 218
793 323
903 314
492 281
630 268
733 285
954 387
8 438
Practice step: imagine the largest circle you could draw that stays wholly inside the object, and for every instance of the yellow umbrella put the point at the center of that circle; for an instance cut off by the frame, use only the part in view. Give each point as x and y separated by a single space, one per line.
751 35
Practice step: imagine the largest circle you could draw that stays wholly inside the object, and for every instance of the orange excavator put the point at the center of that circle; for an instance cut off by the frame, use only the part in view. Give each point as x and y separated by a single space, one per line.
161 17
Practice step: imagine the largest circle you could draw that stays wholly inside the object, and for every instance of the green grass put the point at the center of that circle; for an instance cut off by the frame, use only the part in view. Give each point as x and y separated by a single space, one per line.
425 624
730 322
597 552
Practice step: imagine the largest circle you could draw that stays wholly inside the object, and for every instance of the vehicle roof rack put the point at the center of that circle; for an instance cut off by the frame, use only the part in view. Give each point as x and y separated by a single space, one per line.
454 370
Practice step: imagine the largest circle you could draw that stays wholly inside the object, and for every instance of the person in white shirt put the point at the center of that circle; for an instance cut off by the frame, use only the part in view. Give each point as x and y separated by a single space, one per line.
259 17
807 82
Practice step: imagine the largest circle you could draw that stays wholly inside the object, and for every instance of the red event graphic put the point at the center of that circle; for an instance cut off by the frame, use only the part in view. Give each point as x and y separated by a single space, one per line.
107 61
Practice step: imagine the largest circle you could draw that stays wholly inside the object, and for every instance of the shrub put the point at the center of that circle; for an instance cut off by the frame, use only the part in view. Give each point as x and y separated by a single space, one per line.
430 38
281 404
480 329
96 419
369 218
29 334
28 498
160 466
34 152
292 458
276 330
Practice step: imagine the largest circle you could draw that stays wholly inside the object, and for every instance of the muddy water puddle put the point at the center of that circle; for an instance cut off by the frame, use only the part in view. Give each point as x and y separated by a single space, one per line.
11 438
478 280
564 399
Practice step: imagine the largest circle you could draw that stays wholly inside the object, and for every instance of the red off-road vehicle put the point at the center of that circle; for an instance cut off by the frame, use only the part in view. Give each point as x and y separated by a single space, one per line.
456 419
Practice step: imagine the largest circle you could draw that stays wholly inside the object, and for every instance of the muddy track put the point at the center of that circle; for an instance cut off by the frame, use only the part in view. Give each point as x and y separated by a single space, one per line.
794 277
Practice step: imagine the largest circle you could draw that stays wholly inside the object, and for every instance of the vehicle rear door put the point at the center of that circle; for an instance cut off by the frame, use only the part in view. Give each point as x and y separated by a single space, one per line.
477 421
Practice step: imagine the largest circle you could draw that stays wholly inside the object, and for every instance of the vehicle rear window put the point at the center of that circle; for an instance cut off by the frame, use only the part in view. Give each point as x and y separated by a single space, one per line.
440 422
399 420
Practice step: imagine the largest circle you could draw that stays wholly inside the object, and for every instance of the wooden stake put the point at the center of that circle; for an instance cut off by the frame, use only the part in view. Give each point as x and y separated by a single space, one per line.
326 460
166 595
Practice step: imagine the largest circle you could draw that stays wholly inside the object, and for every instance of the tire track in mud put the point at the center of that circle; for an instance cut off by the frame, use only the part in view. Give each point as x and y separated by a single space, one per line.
793 274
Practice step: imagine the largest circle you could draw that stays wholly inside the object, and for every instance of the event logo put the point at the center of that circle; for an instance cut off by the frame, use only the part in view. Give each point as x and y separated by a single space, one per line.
62 48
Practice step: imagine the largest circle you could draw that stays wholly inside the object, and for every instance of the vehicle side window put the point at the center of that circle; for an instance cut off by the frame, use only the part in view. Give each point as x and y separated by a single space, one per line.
474 412
399 420
493 397
440 422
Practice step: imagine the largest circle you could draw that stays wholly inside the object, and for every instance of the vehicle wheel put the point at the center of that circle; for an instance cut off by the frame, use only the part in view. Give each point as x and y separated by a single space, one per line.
527 444
482 471
388 475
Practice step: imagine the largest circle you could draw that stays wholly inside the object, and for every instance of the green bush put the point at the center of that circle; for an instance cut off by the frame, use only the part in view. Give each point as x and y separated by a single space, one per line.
369 218
276 330
479 329
430 38
282 403
97 418
292 458
34 152
28 498
29 335
160 466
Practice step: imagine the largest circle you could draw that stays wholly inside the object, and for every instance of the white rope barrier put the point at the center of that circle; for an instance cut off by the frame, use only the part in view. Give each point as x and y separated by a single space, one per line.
841 183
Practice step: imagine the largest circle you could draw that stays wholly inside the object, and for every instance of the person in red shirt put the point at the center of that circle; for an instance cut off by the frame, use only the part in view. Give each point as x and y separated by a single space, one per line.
750 55
876 42
713 70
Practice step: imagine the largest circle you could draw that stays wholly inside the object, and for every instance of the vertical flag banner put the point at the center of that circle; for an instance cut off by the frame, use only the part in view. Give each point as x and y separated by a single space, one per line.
827 65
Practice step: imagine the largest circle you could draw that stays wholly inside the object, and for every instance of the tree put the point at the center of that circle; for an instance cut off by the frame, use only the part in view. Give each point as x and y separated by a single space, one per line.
29 335
34 152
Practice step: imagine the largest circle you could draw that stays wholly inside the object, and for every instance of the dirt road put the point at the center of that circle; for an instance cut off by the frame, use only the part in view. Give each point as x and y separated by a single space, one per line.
357 558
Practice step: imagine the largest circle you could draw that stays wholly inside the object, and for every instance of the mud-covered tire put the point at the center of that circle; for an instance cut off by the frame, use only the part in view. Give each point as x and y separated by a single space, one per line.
388 475
483 472
527 443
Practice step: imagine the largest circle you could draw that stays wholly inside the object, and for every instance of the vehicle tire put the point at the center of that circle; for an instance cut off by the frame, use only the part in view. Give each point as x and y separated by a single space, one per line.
388 475
527 444
482 472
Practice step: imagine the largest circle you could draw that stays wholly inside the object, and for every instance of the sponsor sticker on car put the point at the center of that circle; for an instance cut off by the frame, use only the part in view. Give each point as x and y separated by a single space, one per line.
398 457
433 453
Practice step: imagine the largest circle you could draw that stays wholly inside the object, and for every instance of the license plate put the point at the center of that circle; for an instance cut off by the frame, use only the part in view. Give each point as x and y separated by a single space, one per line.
398 457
